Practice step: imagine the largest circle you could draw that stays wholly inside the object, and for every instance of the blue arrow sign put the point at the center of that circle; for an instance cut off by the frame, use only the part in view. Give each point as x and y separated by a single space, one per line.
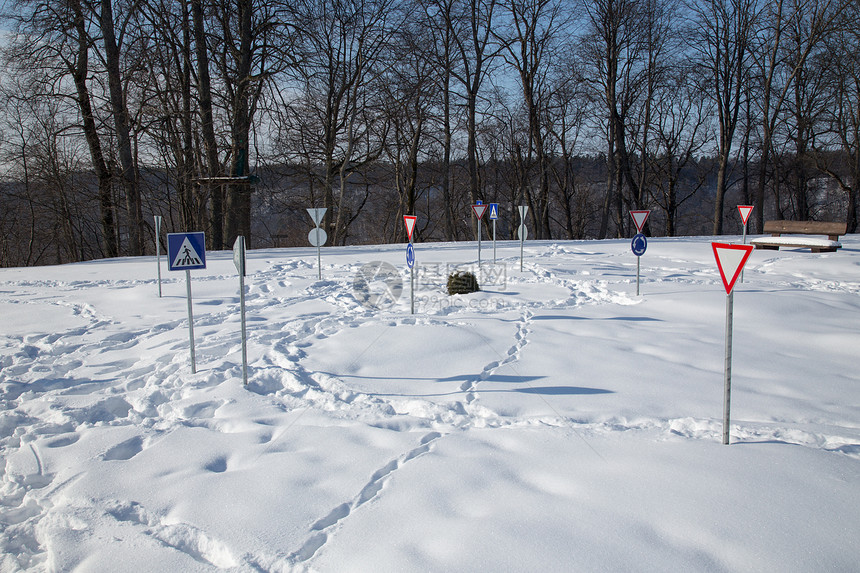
639 244
186 251
410 255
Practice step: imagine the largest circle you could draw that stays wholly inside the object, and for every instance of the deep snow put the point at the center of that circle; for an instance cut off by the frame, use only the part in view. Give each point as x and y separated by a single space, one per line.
553 422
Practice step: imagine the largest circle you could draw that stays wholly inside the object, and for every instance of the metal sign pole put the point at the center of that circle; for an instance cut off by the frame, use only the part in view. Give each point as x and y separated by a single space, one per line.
158 250
244 332
727 393
479 246
745 242
190 320
494 241
319 256
522 248
412 286
522 232
638 259
239 261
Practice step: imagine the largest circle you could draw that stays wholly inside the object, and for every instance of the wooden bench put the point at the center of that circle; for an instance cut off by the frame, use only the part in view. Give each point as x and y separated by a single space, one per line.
818 245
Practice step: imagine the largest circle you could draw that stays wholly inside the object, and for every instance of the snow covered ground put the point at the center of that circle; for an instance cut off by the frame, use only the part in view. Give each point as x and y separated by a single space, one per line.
553 422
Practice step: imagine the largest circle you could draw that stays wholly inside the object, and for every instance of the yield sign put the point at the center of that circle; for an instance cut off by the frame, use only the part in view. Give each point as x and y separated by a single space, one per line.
410 225
745 211
639 217
317 214
479 210
731 260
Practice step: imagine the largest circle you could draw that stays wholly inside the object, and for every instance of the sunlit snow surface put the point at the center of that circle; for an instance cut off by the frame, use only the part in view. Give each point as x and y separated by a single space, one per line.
553 422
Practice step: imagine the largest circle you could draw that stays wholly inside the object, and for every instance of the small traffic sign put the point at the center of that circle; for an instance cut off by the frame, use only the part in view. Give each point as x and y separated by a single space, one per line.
731 260
522 232
409 220
745 211
186 251
494 211
410 255
479 210
317 237
639 218
317 214
639 244
239 254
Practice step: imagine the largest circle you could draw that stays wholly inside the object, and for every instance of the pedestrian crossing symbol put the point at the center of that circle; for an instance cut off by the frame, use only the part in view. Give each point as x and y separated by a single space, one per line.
186 251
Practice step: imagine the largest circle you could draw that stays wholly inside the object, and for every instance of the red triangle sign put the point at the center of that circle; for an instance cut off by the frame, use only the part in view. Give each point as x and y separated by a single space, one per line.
745 211
639 217
410 225
479 210
731 260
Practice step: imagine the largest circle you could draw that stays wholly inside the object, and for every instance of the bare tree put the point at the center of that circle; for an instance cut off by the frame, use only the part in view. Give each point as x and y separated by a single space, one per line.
723 32
681 130
614 47
471 29
410 92
121 119
55 37
342 46
530 40
568 109
837 151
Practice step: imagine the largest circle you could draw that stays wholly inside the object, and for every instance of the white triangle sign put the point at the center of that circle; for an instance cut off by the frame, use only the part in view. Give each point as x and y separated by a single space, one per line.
639 218
317 214
731 260
409 220
187 256
479 210
745 211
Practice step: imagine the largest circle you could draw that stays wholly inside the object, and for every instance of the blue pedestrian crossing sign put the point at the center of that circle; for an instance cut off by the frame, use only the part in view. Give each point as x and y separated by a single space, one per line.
186 251
494 211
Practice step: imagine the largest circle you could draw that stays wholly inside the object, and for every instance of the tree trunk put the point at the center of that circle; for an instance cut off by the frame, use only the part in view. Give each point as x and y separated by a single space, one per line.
213 191
122 126
103 176
238 216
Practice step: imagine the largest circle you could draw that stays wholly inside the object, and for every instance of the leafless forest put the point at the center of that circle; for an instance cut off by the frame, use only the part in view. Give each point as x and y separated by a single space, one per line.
233 116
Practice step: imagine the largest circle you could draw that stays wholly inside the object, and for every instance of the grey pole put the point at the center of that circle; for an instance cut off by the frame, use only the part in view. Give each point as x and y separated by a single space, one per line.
158 250
727 393
745 242
522 243
190 320
244 332
638 259
319 256
479 246
494 241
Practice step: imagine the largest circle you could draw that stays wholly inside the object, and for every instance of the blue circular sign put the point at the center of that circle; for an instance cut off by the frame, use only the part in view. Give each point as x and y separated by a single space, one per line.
639 244
410 255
